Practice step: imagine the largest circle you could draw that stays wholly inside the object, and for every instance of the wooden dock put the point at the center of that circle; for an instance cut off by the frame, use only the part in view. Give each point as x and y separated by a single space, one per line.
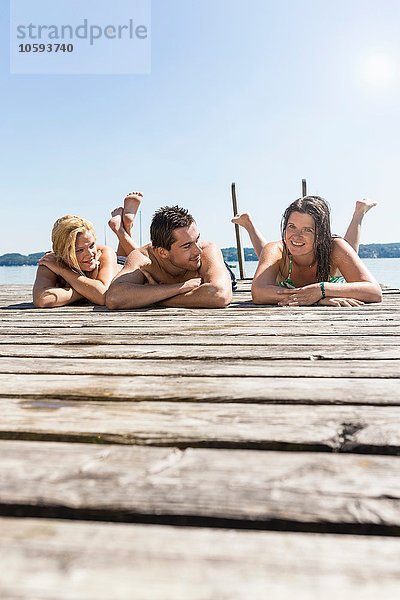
169 454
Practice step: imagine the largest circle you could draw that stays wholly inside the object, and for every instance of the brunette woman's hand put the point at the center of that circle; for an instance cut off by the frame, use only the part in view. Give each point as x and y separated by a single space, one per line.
340 302
304 296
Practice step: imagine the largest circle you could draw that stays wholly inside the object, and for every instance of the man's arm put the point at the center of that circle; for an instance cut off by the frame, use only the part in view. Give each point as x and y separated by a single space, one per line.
130 289
216 289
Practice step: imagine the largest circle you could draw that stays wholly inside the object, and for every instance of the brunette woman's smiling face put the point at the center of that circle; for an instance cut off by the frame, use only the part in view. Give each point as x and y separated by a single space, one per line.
300 233
86 251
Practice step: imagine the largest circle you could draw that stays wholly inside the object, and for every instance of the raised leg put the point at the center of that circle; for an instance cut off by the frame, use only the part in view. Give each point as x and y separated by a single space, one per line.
353 233
125 242
121 223
131 206
257 239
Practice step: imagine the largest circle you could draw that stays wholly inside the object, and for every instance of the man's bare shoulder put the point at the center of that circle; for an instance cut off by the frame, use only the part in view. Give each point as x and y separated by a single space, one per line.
211 258
138 257
210 249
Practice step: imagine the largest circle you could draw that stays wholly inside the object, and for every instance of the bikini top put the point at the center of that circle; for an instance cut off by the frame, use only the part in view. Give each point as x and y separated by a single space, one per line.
288 282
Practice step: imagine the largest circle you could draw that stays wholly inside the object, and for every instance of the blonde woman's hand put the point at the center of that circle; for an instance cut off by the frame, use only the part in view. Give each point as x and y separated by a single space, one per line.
50 261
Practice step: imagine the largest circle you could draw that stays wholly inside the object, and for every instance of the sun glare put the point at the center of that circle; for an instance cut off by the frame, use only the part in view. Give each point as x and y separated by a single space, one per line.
379 70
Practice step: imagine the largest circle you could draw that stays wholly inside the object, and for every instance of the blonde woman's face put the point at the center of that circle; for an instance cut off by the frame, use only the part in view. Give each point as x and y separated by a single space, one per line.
86 251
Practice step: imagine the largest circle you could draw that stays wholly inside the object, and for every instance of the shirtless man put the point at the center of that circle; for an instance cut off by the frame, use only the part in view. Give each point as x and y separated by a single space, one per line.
175 270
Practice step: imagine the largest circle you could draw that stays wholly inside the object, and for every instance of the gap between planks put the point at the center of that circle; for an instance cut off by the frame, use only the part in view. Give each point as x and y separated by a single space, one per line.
231 488
322 428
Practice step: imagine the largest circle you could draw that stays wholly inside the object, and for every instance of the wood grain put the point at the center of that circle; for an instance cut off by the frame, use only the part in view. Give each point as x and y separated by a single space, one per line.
198 388
217 367
238 485
243 418
330 428
107 561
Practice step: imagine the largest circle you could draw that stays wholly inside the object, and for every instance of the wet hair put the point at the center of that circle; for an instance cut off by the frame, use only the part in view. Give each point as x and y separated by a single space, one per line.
63 237
165 221
319 210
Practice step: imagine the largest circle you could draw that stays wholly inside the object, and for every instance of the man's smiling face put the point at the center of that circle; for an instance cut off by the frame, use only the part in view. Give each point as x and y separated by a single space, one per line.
186 250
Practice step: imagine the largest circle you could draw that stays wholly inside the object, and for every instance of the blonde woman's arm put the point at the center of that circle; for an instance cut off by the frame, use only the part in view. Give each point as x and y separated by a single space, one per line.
46 294
93 289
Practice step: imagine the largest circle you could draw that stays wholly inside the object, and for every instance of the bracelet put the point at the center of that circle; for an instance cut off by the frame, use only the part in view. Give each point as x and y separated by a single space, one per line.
322 286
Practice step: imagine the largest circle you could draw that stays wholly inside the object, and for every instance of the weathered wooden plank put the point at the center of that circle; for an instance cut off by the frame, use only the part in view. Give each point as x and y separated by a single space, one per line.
344 428
349 351
278 316
49 559
364 341
239 310
275 315
281 320
217 367
195 388
207 330
243 307
304 489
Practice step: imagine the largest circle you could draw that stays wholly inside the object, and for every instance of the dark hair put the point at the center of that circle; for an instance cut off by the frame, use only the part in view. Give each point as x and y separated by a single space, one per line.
165 221
318 209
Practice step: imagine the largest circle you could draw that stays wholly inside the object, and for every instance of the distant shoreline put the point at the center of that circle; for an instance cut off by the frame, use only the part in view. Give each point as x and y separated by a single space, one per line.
366 251
391 250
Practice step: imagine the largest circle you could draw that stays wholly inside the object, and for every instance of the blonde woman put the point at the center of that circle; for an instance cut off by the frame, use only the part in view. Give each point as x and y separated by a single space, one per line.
79 268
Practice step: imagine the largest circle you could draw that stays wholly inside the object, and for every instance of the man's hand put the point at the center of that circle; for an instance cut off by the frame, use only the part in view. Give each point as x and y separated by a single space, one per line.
191 284
186 286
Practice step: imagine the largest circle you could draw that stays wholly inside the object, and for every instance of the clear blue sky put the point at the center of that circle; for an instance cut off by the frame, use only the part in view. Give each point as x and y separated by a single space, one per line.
259 92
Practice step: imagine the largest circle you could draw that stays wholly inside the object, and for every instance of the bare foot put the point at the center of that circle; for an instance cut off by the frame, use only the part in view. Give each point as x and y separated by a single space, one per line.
244 219
364 205
131 205
115 222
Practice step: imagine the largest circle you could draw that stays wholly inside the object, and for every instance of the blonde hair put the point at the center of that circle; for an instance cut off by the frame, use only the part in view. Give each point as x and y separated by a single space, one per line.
63 237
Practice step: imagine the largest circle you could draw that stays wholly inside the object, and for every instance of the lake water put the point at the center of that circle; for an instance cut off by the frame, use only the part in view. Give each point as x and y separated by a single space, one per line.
11 275
386 271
